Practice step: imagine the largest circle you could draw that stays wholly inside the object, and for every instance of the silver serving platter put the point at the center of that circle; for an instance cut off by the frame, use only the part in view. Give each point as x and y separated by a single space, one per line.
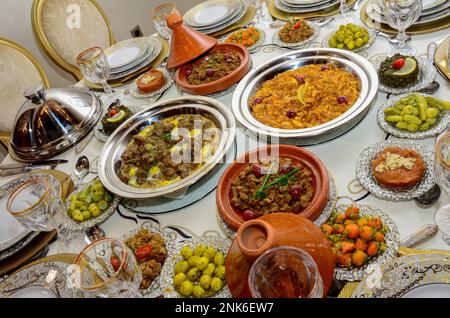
350 61
110 156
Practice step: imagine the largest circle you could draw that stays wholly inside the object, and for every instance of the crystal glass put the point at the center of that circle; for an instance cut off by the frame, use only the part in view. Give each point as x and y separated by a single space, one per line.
442 173
107 268
159 15
94 66
36 204
285 272
400 15
263 17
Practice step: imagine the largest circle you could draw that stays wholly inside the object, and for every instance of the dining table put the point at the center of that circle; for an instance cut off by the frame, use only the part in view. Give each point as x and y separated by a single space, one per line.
339 154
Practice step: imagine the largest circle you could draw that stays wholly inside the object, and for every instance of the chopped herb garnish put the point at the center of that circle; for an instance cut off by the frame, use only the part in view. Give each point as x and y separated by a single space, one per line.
283 180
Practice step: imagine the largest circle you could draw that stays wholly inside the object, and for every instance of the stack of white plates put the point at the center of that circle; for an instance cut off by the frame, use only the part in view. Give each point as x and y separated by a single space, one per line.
215 15
304 6
132 55
432 11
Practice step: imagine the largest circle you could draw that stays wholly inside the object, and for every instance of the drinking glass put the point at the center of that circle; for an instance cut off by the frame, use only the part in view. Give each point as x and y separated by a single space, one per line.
107 268
400 15
263 17
159 15
442 173
94 66
37 206
285 272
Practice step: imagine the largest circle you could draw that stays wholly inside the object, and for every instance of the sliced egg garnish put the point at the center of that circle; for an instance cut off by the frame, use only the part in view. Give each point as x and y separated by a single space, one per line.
167 182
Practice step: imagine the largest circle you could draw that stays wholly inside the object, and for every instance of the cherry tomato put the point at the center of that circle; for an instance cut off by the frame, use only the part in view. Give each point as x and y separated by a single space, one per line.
113 112
144 251
398 64
298 24
115 262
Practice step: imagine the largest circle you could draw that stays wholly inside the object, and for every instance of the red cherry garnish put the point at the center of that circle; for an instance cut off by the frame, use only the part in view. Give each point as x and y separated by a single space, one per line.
398 63
298 24
342 100
295 192
258 100
324 68
188 72
291 114
300 79
285 169
210 73
257 170
248 215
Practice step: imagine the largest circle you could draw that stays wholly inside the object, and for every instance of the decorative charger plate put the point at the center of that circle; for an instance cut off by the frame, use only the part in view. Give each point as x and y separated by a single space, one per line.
43 280
316 31
210 238
85 225
392 243
439 127
367 180
136 93
211 12
100 134
427 74
18 246
154 290
407 275
372 37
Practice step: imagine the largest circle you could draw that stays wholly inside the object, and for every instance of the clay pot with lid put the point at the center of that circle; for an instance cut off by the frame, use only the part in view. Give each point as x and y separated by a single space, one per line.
256 237
186 43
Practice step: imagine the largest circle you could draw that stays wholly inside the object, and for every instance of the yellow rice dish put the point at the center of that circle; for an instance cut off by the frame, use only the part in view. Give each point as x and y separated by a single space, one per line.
305 97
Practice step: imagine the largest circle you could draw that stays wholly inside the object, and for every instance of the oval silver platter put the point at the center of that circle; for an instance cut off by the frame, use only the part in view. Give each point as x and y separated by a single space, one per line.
349 61
110 157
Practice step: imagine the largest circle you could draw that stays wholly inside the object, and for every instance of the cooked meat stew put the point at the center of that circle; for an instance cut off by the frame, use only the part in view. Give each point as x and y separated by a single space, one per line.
168 151
288 188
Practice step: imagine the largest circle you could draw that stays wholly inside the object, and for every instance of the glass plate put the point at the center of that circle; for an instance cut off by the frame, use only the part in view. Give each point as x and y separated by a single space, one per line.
18 246
439 127
426 76
210 238
136 93
252 48
154 290
392 242
85 225
367 181
372 37
316 31
402 275
49 277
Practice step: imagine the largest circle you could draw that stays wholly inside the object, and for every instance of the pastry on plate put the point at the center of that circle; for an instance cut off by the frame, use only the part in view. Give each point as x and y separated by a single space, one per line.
150 81
398 168
399 71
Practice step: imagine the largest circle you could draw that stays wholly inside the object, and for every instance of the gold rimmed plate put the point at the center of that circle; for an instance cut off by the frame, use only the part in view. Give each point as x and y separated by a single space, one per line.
441 58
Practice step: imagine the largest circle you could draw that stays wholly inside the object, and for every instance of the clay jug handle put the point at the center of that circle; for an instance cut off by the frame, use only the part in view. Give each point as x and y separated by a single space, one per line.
254 238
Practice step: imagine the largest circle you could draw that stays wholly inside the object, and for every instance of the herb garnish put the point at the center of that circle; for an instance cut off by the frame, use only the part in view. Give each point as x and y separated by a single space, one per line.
283 180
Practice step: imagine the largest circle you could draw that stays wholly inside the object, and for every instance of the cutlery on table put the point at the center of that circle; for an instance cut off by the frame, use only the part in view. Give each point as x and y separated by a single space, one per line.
446 239
10 169
81 169
420 236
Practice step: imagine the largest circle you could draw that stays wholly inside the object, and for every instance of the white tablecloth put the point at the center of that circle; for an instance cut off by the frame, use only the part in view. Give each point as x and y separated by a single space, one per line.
339 156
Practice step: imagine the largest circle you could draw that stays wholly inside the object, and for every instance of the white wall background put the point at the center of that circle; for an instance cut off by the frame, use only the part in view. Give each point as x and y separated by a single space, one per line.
124 15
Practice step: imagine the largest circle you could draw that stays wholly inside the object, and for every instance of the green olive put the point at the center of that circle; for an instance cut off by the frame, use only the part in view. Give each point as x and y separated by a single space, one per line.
179 279
186 252
198 292
193 274
186 288
220 272
209 253
205 281
209 270
181 267
219 259
199 250
216 284
202 263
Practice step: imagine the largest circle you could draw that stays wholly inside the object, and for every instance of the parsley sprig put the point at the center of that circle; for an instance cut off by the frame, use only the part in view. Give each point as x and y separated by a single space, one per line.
283 180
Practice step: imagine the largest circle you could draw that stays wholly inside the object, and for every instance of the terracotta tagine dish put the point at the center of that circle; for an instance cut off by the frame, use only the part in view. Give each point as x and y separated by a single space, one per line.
204 67
298 183
280 255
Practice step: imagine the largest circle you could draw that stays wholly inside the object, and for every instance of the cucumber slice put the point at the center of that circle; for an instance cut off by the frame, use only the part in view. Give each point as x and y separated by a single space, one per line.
117 117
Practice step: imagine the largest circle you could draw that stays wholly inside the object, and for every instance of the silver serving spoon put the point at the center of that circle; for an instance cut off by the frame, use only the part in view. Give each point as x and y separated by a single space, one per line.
93 234
81 169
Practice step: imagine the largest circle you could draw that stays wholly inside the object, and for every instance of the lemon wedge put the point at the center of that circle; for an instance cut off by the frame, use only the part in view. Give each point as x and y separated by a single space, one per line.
301 92
409 67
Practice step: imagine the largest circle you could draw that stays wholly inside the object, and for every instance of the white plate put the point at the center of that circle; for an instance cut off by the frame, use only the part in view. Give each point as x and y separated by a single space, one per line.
283 7
123 56
429 291
34 292
241 13
303 3
210 12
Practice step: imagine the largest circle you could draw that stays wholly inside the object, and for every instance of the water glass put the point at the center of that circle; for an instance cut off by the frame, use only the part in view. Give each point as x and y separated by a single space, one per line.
94 66
442 174
159 15
107 268
285 272
400 15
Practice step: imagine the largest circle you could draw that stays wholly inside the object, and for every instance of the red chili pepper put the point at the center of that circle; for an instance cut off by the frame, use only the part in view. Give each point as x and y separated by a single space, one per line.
297 25
398 64
144 251
115 262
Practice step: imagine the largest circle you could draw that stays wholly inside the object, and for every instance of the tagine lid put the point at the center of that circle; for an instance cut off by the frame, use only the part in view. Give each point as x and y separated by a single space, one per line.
284 229
186 43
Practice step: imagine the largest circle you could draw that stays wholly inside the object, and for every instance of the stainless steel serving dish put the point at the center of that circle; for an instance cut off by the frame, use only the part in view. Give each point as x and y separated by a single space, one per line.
110 156
53 120
248 86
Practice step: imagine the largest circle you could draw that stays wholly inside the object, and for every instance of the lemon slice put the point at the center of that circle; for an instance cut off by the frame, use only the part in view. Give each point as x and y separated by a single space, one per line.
301 93
408 68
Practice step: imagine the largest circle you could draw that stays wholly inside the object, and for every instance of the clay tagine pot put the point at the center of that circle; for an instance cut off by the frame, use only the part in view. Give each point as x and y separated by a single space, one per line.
273 230
186 44
222 83
233 216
